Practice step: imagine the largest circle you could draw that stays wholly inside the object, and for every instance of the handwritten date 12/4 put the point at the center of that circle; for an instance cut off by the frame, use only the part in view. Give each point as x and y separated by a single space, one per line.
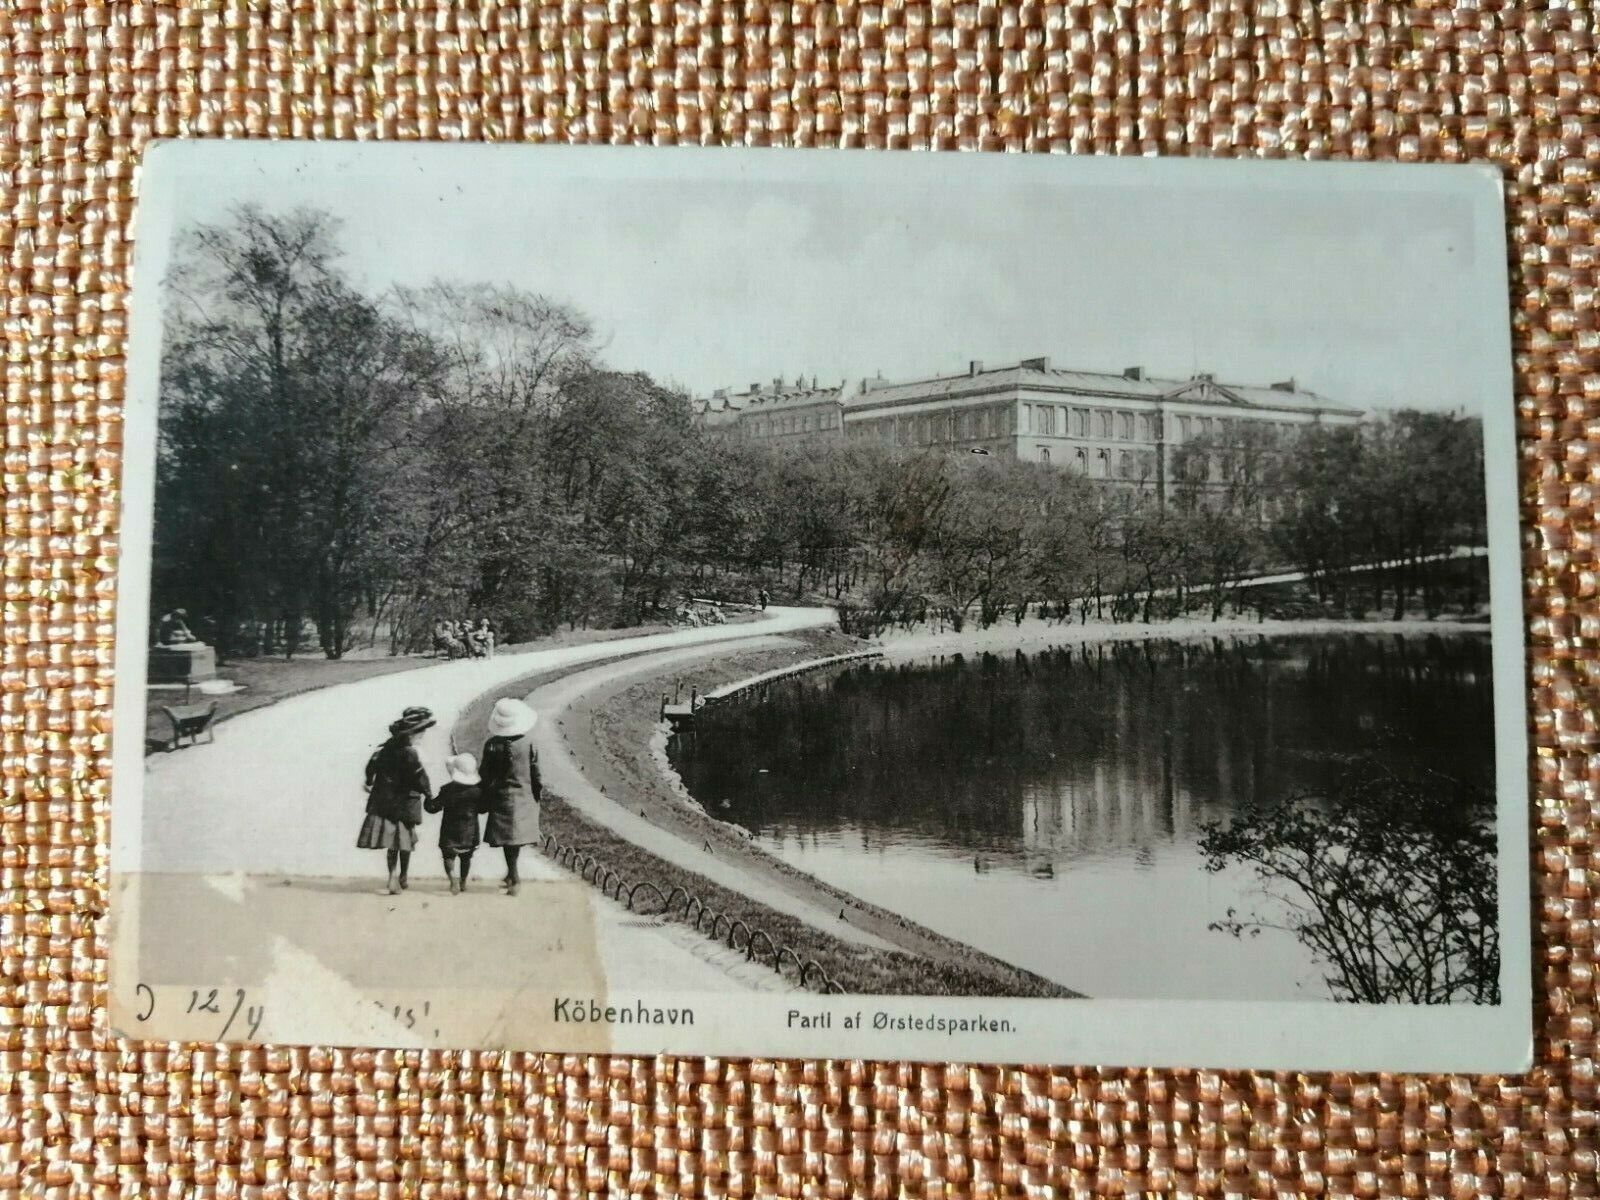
211 1000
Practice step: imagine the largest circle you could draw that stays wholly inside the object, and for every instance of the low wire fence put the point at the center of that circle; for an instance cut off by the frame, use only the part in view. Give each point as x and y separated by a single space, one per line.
678 903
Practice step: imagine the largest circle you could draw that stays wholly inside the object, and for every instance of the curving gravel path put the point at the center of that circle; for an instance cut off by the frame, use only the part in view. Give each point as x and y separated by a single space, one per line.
239 859
279 792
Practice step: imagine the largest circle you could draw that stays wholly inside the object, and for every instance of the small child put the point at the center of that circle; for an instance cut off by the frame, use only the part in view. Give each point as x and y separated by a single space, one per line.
460 801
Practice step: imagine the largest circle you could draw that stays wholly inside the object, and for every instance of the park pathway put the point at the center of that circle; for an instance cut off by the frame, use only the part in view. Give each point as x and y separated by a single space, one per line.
278 796
279 791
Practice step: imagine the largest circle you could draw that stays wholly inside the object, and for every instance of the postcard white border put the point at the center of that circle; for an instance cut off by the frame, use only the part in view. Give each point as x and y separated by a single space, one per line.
1302 1035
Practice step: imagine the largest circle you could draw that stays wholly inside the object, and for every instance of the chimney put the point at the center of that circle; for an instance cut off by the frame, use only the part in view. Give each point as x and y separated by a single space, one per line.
1133 373
1285 385
1035 364
813 383
975 367
777 383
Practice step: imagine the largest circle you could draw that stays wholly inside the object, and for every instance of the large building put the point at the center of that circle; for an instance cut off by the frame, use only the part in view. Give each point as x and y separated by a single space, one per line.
1127 428
781 410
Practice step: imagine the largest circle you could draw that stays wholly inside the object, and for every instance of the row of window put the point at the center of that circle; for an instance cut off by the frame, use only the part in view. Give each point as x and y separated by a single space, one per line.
1099 464
928 429
1041 420
1223 429
1141 464
1055 420
1217 467
817 422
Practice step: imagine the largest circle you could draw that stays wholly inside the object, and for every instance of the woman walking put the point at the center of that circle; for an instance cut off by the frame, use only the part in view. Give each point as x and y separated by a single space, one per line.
397 788
512 793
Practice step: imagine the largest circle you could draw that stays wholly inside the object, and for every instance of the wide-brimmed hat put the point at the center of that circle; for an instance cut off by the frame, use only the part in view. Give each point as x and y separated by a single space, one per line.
413 720
511 718
462 768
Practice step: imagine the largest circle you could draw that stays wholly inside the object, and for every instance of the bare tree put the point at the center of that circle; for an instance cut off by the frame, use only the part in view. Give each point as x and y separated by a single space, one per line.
1388 879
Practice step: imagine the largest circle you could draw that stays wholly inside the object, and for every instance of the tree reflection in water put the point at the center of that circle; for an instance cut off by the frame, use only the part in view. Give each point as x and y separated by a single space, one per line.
977 794
1387 878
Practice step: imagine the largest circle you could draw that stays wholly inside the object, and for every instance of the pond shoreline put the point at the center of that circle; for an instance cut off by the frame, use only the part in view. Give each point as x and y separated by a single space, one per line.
1093 771
608 730
616 738
1037 634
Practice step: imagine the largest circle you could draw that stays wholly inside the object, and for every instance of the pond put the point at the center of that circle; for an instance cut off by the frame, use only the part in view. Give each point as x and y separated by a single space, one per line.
1049 808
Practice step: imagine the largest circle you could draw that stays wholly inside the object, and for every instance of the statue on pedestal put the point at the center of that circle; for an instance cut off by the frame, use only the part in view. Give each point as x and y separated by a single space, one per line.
173 629
178 656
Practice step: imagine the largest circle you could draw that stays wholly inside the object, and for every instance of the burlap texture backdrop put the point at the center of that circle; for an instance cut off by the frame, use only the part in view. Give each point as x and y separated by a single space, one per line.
85 85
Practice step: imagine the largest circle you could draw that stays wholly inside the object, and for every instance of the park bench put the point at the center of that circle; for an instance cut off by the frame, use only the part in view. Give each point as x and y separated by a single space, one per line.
190 721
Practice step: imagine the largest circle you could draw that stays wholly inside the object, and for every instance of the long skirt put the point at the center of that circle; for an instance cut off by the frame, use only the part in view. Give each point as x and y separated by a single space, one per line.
513 820
380 833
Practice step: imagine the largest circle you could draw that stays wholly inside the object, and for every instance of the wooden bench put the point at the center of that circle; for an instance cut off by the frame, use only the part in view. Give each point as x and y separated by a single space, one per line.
190 721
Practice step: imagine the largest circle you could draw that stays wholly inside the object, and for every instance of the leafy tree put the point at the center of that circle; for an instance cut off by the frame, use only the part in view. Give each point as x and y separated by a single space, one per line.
1061 552
336 458
1222 488
287 400
508 356
1403 490
906 503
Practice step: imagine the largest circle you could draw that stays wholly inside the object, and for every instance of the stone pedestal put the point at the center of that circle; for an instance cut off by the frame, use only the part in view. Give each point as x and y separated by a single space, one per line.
187 662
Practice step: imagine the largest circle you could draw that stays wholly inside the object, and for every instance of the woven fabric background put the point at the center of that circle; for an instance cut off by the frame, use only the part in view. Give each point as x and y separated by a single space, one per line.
84 84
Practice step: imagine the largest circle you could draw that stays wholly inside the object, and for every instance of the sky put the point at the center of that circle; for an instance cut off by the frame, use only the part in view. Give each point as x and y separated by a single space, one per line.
1377 288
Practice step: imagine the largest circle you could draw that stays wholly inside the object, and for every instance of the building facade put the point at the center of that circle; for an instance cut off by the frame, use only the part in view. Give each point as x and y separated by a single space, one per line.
779 412
1128 429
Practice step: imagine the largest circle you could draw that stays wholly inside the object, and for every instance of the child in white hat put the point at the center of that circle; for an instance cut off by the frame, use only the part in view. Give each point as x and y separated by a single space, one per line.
460 800
512 791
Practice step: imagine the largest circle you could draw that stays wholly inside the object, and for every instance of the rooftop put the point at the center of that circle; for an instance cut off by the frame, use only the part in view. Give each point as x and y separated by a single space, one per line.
771 397
1131 383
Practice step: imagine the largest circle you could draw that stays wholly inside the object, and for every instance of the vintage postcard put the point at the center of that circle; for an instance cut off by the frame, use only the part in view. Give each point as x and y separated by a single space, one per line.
953 607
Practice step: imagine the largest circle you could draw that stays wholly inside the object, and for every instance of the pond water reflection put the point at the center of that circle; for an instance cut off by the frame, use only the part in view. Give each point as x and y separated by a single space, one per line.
1046 808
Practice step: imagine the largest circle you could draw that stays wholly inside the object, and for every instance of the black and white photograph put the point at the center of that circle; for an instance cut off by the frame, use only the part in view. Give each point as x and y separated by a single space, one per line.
822 603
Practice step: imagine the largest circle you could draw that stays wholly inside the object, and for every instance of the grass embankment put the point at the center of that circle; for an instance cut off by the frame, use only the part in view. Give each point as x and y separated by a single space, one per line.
264 681
854 967
612 735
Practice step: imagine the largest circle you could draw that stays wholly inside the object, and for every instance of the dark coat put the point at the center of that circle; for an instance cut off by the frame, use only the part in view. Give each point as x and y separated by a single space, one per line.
458 828
397 783
509 770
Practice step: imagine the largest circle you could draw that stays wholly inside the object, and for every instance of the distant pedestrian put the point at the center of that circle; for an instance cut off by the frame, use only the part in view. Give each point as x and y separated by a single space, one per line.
481 639
397 788
512 791
461 802
764 599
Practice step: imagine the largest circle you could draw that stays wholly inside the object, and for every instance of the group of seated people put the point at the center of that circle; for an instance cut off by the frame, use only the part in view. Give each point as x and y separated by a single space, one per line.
462 639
